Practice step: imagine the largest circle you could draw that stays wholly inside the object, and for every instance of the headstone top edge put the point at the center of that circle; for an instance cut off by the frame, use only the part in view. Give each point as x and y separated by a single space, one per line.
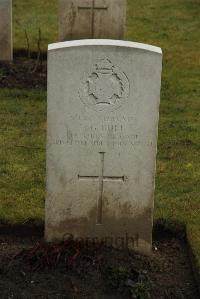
104 42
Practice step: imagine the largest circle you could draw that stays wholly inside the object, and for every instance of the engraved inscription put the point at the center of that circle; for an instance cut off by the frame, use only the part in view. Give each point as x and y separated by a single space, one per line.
106 88
101 179
105 134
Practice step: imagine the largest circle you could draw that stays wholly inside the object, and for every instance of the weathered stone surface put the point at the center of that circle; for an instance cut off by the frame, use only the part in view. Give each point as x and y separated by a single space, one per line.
80 19
103 103
6 48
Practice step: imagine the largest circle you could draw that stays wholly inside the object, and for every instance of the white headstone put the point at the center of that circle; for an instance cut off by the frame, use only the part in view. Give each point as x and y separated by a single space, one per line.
103 108
80 19
6 48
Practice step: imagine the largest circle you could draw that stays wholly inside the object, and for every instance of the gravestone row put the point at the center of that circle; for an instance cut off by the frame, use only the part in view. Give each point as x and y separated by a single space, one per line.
103 103
78 19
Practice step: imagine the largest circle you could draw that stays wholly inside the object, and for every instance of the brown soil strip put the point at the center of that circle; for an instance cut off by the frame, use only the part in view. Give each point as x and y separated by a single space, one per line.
89 276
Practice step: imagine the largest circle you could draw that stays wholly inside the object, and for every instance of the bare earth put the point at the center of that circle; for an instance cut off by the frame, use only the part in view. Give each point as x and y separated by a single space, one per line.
95 272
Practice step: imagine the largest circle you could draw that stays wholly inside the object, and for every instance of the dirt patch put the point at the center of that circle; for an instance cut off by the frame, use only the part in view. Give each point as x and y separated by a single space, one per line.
94 271
23 73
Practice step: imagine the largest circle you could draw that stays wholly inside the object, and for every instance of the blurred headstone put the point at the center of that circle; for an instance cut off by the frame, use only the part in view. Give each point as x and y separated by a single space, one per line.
83 19
6 47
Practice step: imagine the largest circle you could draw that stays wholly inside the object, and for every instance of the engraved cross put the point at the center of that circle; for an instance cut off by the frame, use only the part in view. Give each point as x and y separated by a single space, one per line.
101 178
92 8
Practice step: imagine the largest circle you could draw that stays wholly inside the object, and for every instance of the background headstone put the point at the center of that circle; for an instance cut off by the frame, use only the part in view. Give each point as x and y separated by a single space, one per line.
6 48
103 103
82 19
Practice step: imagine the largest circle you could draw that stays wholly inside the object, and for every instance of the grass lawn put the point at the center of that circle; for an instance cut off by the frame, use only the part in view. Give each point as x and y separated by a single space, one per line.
30 16
22 155
172 25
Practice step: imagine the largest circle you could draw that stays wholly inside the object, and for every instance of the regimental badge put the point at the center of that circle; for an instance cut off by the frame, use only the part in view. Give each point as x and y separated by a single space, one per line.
106 88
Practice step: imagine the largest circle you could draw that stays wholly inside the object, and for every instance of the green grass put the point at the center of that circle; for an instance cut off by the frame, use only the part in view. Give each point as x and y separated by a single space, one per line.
22 155
30 16
172 25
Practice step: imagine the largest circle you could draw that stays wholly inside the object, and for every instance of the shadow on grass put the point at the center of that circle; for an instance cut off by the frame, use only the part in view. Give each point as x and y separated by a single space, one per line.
162 228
